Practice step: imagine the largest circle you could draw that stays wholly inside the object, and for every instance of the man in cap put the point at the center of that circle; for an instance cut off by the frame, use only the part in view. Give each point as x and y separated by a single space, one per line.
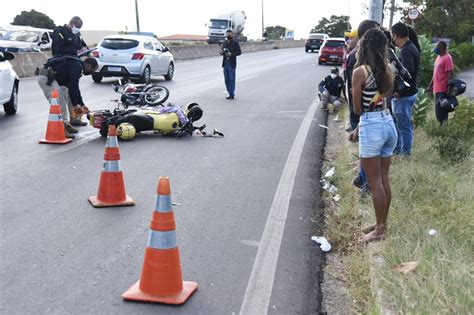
330 89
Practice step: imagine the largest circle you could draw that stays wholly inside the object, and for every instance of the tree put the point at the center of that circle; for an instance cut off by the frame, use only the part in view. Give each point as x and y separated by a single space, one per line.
335 26
34 19
444 18
275 32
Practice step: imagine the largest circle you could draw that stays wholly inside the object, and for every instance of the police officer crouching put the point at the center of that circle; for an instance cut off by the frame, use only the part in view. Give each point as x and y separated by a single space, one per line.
63 74
330 89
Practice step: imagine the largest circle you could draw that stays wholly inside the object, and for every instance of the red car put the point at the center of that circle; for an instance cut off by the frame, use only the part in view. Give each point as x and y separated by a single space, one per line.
332 51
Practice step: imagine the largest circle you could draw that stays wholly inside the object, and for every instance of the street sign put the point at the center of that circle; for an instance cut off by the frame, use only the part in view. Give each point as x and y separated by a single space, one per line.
413 14
289 34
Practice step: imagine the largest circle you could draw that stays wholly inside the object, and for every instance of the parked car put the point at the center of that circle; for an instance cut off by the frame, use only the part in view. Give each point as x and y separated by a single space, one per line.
132 56
8 84
332 51
314 41
25 39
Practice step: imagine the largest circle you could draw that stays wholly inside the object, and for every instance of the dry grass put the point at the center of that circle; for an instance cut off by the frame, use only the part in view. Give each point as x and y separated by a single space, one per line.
428 193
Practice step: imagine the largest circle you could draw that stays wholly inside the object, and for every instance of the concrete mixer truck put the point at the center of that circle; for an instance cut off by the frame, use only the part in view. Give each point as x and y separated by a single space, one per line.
234 21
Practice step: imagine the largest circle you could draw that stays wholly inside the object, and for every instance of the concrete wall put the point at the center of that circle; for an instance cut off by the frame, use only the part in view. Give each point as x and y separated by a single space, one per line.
25 63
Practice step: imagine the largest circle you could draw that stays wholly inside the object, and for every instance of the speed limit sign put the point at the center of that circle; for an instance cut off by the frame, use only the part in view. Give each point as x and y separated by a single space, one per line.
413 14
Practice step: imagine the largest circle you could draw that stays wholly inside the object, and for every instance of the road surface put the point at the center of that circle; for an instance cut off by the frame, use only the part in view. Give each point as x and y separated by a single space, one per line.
248 202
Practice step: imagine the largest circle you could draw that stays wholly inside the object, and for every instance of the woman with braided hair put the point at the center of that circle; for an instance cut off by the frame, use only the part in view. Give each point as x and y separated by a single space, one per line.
372 82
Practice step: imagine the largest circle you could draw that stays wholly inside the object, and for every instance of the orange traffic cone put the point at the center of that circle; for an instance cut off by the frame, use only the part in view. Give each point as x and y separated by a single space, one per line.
111 186
55 128
161 280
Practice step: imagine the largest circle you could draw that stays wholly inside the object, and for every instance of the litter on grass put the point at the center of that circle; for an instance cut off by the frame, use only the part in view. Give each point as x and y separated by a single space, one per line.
432 232
322 126
407 267
326 185
336 198
330 172
324 244
336 118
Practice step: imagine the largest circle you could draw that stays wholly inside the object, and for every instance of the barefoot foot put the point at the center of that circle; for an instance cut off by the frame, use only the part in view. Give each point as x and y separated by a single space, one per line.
368 229
373 236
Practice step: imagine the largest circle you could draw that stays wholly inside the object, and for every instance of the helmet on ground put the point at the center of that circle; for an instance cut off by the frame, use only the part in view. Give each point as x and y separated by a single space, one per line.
126 131
193 112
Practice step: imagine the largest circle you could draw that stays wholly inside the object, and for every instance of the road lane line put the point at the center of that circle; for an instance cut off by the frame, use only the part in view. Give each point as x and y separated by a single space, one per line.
88 136
247 78
260 285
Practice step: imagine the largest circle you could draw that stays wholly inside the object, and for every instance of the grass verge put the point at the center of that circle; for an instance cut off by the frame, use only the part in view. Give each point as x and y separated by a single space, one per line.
428 193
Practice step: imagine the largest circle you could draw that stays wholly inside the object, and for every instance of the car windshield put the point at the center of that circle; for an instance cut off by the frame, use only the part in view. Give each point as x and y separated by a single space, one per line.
334 43
119 43
21 36
316 36
222 24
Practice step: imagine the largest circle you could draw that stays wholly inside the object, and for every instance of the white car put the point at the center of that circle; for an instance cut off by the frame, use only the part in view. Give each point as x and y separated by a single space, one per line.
8 84
132 56
25 39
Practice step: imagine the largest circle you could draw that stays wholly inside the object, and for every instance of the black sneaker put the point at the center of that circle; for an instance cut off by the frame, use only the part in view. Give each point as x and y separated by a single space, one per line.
229 97
357 182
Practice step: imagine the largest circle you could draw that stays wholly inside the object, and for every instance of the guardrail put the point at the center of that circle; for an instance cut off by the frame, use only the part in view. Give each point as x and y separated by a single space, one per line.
25 63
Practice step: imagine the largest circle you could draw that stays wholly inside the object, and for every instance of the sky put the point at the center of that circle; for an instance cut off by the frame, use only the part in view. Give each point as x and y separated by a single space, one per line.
189 17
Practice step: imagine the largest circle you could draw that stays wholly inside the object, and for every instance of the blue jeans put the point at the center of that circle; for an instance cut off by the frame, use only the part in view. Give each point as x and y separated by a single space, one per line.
377 134
402 109
229 76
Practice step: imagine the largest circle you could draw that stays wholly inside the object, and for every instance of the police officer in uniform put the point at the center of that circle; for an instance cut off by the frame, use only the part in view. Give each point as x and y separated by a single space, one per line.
67 41
63 74
330 88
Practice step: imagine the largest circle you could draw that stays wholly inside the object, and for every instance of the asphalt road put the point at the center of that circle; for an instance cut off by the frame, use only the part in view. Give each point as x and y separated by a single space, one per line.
250 196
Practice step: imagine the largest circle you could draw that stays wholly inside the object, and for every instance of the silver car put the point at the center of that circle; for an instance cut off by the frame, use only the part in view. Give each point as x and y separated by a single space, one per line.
132 56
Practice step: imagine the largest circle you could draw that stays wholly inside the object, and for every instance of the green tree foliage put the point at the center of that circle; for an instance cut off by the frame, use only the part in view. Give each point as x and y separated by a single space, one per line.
275 32
34 19
427 59
444 18
335 26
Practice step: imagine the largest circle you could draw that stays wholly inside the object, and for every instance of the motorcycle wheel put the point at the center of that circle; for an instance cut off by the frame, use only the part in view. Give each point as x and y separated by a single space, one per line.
156 95
104 130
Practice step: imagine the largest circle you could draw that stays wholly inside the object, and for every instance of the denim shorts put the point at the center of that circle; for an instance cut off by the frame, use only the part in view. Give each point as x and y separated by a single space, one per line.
377 134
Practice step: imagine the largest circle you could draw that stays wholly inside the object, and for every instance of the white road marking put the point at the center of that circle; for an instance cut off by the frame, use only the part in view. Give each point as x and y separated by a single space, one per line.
247 78
250 243
81 138
260 285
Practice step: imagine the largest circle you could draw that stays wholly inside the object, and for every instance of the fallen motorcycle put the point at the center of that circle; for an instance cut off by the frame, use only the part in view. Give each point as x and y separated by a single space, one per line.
141 94
167 120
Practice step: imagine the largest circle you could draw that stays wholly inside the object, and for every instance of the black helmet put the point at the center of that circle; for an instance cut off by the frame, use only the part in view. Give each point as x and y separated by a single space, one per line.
193 112
456 87
448 102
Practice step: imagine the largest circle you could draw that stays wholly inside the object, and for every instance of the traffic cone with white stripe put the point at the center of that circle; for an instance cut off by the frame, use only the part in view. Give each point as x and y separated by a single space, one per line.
55 129
161 280
111 185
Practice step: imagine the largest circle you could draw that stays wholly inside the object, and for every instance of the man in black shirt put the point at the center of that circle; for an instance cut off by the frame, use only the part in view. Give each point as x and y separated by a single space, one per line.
63 74
330 88
403 101
67 39
230 50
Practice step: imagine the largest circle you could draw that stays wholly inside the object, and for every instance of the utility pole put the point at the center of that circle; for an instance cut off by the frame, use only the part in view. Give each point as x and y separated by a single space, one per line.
263 25
392 11
136 13
376 10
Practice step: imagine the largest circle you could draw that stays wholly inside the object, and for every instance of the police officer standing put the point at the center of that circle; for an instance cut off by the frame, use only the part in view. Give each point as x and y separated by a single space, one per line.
67 41
63 74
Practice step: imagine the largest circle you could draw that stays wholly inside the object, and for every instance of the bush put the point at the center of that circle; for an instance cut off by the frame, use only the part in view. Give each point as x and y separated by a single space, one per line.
426 60
455 139
463 55
420 108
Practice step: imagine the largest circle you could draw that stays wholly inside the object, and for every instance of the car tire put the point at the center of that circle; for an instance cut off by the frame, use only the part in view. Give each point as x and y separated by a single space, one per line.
12 105
170 74
146 75
306 50
320 63
96 78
